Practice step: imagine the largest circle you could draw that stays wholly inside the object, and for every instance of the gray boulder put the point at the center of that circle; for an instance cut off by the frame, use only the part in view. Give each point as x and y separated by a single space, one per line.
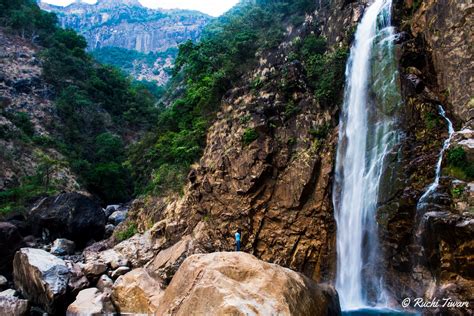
118 217
42 278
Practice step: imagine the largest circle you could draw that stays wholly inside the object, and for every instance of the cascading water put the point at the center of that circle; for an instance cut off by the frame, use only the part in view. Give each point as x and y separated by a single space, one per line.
367 134
435 183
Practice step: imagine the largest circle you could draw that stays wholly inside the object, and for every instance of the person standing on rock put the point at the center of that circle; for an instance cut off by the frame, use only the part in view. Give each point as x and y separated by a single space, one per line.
238 235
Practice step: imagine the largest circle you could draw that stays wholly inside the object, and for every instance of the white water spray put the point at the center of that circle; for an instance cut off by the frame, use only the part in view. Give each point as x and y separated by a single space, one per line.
433 186
367 134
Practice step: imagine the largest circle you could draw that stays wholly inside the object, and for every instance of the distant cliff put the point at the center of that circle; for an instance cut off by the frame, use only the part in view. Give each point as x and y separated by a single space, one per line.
129 25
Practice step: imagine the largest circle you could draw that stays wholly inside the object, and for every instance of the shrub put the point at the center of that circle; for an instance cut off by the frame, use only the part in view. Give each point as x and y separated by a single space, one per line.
457 157
249 136
129 231
458 164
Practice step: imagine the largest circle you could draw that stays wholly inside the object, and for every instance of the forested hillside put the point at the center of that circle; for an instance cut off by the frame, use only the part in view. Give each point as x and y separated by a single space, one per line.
139 40
97 110
205 71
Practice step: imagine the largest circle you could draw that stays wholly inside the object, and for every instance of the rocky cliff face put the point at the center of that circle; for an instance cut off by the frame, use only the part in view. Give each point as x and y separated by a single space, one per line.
26 115
129 25
278 187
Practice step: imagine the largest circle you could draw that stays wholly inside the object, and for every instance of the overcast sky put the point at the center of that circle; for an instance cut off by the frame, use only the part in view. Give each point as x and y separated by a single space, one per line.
211 7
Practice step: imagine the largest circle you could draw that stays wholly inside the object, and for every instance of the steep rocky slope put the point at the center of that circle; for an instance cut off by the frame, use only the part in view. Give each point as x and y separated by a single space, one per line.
277 186
129 25
27 112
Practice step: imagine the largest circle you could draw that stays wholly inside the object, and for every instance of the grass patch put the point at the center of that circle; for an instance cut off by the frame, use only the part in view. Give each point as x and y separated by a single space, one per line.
127 232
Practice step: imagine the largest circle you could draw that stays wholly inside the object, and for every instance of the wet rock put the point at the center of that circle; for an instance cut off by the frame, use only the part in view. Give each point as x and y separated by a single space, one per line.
117 217
245 284
69 215
77 281
105 283
41 277
62 247
447 240
137 292
119 272
91 302
10 242
13 306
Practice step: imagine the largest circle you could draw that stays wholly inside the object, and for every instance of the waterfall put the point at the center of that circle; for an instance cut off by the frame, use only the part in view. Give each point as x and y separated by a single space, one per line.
433 186
367 134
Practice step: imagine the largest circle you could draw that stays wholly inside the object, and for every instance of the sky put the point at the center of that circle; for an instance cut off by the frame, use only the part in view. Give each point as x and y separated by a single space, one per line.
211 7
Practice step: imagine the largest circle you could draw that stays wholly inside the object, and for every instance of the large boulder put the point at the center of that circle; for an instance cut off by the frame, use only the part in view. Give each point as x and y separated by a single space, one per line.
237 283
137 292
69 215
41 277
10 242
91 302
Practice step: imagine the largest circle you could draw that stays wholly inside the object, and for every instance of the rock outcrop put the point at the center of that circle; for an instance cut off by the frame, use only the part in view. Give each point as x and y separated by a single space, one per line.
42 278
69 215
129 25
447 28
245 285
26 97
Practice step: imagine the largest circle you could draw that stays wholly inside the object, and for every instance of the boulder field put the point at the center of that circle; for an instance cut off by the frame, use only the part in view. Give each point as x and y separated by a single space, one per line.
223 283
148 273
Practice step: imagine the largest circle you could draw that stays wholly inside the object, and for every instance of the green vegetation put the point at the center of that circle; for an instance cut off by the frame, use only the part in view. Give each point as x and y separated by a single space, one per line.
127 232
208 69
325 70
40 184
101 109
321 132
127 59
249 136
431 120
458 164
457 192
98 106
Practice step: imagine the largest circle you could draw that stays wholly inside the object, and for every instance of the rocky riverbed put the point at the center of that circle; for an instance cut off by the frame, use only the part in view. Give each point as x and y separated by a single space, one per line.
64 258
